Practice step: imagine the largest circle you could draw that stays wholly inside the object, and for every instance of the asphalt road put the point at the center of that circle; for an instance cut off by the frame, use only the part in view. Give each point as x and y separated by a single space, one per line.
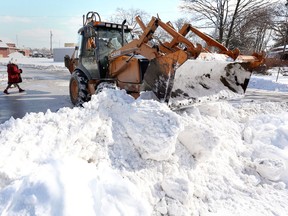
44 89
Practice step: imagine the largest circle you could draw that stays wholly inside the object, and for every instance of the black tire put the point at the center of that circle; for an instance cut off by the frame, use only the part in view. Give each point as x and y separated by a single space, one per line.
78 88
105 85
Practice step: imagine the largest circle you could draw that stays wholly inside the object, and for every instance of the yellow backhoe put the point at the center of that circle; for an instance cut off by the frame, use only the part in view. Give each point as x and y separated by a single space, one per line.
177 71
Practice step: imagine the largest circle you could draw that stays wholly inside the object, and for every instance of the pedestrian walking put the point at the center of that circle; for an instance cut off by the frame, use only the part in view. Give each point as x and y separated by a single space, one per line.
14 75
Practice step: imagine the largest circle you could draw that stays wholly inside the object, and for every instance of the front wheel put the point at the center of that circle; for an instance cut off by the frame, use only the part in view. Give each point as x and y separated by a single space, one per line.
78 88
105 85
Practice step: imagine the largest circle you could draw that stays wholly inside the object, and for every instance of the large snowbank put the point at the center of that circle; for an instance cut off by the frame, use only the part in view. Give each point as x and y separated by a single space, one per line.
120 156
117 156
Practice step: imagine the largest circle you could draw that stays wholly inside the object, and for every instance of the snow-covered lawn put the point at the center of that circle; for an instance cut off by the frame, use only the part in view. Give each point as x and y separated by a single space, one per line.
120 156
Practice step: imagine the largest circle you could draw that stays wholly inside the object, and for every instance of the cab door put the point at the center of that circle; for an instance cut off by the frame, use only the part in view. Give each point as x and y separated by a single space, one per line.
88 52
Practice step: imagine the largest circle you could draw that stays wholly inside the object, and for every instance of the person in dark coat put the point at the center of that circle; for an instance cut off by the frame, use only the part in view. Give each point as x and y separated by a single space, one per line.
14 75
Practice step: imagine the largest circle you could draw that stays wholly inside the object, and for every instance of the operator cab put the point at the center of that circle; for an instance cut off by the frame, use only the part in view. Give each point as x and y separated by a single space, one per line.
96 41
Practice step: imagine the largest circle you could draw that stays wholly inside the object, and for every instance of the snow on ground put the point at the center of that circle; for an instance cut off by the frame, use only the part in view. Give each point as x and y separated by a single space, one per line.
39 63
120 156
274 82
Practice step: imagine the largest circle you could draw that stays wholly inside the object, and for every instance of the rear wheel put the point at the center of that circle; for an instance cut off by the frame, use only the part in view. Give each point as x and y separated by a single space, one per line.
78 88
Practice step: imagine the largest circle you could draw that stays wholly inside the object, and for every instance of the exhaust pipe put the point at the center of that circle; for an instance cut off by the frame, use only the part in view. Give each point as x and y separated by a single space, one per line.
122 28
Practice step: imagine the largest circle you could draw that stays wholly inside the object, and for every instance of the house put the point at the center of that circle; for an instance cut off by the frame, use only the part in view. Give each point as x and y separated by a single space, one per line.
4 49
279 52
277 57
8 48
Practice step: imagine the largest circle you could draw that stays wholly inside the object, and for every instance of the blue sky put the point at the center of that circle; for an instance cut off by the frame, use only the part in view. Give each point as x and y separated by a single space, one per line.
29 23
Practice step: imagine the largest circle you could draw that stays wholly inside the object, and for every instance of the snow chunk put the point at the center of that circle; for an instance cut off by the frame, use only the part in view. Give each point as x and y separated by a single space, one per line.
176 188
200 141
162 131
267 135
151 125
271 169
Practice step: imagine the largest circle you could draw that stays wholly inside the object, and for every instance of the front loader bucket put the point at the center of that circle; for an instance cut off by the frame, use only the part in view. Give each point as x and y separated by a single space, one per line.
159 76
209 77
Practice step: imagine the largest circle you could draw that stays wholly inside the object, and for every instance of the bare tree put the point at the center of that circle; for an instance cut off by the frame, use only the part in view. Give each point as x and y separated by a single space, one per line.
280 26
129 15
254 30
226 17
280 33
180 22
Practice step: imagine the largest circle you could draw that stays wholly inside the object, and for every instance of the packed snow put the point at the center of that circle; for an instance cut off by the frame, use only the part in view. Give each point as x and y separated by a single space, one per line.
121 156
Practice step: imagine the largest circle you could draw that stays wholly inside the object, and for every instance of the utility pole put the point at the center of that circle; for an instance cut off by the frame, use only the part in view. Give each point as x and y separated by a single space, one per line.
17 40
51 35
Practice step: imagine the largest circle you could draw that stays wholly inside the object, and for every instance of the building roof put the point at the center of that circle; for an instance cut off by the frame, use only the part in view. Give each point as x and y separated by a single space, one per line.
3 45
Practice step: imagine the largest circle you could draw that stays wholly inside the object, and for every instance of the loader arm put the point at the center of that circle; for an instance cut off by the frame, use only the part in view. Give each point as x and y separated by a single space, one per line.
139 46
181 38
178 37
254 60
210 41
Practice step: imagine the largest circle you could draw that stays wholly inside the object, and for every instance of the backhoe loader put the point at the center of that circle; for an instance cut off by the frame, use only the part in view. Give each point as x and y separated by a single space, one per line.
177 71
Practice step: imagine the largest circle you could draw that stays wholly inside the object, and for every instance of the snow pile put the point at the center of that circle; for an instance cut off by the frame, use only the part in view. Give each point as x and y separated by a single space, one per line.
260 82
270 148
87 134
16 55
37 63
120 156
